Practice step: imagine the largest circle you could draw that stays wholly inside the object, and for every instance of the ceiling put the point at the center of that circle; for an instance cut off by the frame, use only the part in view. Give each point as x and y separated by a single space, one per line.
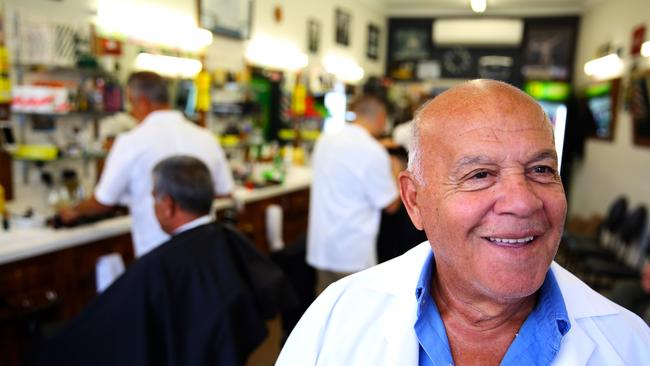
433 8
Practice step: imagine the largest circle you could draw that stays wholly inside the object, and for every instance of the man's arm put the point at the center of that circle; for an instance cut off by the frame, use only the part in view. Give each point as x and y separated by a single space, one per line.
87 207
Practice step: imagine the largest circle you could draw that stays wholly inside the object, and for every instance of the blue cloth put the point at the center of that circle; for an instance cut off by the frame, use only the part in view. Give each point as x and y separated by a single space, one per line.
538 340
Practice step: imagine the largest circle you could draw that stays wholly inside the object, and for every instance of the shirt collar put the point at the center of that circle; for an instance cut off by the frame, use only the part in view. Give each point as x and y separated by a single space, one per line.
205 219
166 114
548 320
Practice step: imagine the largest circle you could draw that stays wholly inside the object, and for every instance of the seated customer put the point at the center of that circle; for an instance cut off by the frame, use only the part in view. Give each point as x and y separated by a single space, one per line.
198 299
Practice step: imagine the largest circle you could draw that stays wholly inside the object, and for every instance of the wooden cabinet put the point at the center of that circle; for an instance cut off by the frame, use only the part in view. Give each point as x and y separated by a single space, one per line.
53 287
295 206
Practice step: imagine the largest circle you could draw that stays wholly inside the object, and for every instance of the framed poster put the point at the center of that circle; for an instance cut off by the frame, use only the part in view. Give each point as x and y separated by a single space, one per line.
602 106
639 103
313 35
342 27
372 47
549 48
229 18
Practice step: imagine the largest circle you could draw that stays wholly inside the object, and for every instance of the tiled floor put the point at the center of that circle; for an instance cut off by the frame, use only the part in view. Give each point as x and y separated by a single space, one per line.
268 351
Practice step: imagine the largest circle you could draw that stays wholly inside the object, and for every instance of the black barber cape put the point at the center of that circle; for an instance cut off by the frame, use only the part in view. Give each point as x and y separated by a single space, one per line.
199 299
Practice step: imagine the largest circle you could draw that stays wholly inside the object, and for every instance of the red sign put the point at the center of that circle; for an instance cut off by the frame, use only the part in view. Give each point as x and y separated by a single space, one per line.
110 47
638 36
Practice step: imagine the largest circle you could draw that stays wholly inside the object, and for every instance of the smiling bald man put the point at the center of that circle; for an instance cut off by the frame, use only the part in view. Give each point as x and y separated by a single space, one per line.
483 183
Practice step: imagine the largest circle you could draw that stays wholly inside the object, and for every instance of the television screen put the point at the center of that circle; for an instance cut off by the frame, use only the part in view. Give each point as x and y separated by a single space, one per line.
601 101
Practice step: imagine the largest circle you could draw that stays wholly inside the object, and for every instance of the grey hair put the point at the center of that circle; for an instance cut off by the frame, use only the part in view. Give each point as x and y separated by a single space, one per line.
187 181
149 85
415 146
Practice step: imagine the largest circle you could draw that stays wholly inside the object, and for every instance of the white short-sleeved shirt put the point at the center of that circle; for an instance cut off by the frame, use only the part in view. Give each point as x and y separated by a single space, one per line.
352 183
127 175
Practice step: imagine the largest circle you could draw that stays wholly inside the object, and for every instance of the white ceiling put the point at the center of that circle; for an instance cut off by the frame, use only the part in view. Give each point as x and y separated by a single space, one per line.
433 8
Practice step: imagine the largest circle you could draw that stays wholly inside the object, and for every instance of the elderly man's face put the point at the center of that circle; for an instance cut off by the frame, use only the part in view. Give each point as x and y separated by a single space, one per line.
492 204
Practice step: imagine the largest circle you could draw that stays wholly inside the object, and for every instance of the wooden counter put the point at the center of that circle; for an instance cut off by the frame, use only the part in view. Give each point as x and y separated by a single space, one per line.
48 275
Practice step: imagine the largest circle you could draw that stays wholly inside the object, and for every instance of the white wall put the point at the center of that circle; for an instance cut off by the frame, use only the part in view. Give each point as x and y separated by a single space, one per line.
618 167
294 27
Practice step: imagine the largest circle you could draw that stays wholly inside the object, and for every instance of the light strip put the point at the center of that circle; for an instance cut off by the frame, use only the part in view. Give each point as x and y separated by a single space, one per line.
478 6
605 67
645 49
149 24
168 65
275 53
343 68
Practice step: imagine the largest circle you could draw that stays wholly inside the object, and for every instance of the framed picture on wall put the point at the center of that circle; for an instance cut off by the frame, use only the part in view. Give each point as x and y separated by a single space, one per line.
372 47
229 18
639 103
313 35
342 27
602 107
548 49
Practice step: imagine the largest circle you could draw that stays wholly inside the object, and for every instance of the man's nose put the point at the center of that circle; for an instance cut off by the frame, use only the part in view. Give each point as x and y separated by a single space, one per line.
517 196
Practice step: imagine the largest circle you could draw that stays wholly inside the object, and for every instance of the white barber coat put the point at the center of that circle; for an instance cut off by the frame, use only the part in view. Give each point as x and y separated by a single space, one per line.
127 178
367 319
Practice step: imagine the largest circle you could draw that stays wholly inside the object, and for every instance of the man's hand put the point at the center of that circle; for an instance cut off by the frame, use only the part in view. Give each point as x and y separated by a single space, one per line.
645 278
68 215
87 207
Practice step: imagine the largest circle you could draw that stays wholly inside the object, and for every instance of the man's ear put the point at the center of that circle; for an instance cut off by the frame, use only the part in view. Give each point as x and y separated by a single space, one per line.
408 189
169 206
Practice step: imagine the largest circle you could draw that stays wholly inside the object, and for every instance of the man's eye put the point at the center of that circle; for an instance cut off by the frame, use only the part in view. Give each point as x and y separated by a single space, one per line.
480 175
543 170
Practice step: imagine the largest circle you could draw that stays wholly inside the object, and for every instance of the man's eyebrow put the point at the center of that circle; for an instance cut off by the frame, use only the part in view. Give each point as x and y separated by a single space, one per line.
545 154
470 160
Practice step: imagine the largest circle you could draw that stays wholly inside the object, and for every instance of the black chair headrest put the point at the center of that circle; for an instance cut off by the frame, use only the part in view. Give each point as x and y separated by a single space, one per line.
634 224
616 214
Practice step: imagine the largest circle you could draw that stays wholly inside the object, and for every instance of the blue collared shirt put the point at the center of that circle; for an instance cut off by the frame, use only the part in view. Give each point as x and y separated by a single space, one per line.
538 340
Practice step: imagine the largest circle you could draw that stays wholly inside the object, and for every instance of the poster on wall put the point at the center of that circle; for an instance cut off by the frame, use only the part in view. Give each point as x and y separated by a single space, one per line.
343 24
313 35
409 44
639 102
548 51
229 18
372 48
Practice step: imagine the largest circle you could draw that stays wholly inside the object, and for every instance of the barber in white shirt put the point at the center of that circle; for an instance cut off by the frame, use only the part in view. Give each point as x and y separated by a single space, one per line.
160 133
352 183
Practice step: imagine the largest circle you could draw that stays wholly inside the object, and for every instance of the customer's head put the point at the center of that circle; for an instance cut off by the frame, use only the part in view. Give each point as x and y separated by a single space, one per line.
146 92
483 184
182 190
370 113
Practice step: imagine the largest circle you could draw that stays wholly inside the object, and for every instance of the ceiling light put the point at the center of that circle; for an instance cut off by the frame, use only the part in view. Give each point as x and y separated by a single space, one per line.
344 68
605 67
478 6
150 24
168 65
645 49
275 53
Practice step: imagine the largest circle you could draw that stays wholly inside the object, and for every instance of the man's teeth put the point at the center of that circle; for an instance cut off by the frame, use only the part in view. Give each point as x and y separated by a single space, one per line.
527 239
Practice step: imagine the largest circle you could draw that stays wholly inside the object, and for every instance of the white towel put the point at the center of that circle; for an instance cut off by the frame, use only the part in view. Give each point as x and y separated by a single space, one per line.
108 268
274 227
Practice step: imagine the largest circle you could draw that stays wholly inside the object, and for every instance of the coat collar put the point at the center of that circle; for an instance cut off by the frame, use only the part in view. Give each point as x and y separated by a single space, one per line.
398 279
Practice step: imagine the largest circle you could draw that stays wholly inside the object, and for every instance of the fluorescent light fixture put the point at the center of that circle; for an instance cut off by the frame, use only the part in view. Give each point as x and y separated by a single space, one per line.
478 32
275 53
478 6
645 49
168 65
606 67
151 24
343 68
